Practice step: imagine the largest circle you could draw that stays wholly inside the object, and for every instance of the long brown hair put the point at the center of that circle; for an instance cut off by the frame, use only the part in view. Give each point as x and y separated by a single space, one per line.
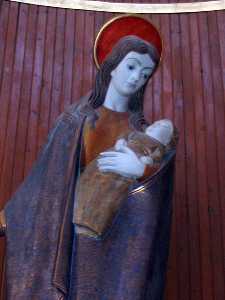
103 77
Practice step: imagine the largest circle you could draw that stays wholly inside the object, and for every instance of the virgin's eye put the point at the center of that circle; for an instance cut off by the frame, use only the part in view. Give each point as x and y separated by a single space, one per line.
145 76
130 67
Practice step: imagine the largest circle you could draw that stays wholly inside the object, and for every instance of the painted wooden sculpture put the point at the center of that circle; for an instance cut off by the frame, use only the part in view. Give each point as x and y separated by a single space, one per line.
47 258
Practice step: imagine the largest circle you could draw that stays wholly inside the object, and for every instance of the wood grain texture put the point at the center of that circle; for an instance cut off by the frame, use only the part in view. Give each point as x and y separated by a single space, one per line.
46 64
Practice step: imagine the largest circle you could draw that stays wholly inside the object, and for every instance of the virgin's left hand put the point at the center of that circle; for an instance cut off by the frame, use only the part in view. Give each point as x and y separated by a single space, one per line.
125 163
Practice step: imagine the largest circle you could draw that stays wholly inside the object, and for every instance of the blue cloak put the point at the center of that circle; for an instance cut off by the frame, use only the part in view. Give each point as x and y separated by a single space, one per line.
46 261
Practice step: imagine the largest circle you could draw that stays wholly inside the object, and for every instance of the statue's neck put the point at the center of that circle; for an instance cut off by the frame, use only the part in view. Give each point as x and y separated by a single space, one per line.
115 101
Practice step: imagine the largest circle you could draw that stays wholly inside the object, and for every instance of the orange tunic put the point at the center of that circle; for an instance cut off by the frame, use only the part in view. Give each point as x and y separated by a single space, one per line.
108 128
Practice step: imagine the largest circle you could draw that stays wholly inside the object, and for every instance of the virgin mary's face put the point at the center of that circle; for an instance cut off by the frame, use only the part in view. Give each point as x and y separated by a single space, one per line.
132 73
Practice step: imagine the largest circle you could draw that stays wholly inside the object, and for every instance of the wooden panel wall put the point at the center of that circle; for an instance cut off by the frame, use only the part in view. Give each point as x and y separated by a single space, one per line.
46 63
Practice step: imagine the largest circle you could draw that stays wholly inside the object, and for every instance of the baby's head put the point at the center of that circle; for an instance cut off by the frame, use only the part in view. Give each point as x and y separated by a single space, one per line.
161 130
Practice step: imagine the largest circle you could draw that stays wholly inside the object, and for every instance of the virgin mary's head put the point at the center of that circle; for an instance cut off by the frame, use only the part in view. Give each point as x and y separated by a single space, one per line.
121 49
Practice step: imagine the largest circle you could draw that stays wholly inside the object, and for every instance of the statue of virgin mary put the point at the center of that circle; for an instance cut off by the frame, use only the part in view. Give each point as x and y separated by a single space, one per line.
46 258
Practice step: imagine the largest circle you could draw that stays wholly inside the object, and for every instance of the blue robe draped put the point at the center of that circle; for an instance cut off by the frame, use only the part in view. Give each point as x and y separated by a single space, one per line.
47 261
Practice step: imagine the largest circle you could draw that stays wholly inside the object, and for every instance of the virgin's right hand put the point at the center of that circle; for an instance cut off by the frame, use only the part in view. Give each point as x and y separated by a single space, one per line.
124 162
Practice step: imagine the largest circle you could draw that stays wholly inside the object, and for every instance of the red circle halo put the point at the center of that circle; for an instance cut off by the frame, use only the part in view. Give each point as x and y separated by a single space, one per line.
120 26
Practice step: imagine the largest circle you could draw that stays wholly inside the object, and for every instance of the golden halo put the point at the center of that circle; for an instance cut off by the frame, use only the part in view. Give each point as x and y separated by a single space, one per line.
123 25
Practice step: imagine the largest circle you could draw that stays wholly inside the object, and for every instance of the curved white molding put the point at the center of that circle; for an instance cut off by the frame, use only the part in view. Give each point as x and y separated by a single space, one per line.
138 8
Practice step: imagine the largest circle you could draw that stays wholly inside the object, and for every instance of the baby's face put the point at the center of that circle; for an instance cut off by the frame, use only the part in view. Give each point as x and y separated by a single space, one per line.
161 130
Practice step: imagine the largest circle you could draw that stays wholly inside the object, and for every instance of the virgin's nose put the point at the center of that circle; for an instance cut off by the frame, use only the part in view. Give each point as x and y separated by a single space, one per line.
135 77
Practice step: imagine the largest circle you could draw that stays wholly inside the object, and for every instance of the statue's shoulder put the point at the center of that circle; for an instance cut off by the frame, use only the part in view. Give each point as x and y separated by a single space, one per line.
79 110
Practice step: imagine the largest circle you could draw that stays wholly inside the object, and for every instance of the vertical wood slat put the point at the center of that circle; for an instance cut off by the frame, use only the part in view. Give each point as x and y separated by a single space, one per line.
221 33
14 103
157 83
47 79
168 104
190 160
23 113
46 63
183 285
88 33
31 147
66 95
219 125
4 12
5 92
57 66
201 180
78 56
211 150
4 16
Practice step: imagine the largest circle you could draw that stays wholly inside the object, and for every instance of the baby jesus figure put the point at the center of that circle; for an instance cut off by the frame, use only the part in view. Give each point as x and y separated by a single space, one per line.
100 195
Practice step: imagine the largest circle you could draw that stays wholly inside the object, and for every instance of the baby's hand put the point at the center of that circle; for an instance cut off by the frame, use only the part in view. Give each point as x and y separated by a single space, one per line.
120 143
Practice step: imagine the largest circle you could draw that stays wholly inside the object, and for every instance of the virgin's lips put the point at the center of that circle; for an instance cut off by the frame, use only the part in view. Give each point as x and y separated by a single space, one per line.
132 85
